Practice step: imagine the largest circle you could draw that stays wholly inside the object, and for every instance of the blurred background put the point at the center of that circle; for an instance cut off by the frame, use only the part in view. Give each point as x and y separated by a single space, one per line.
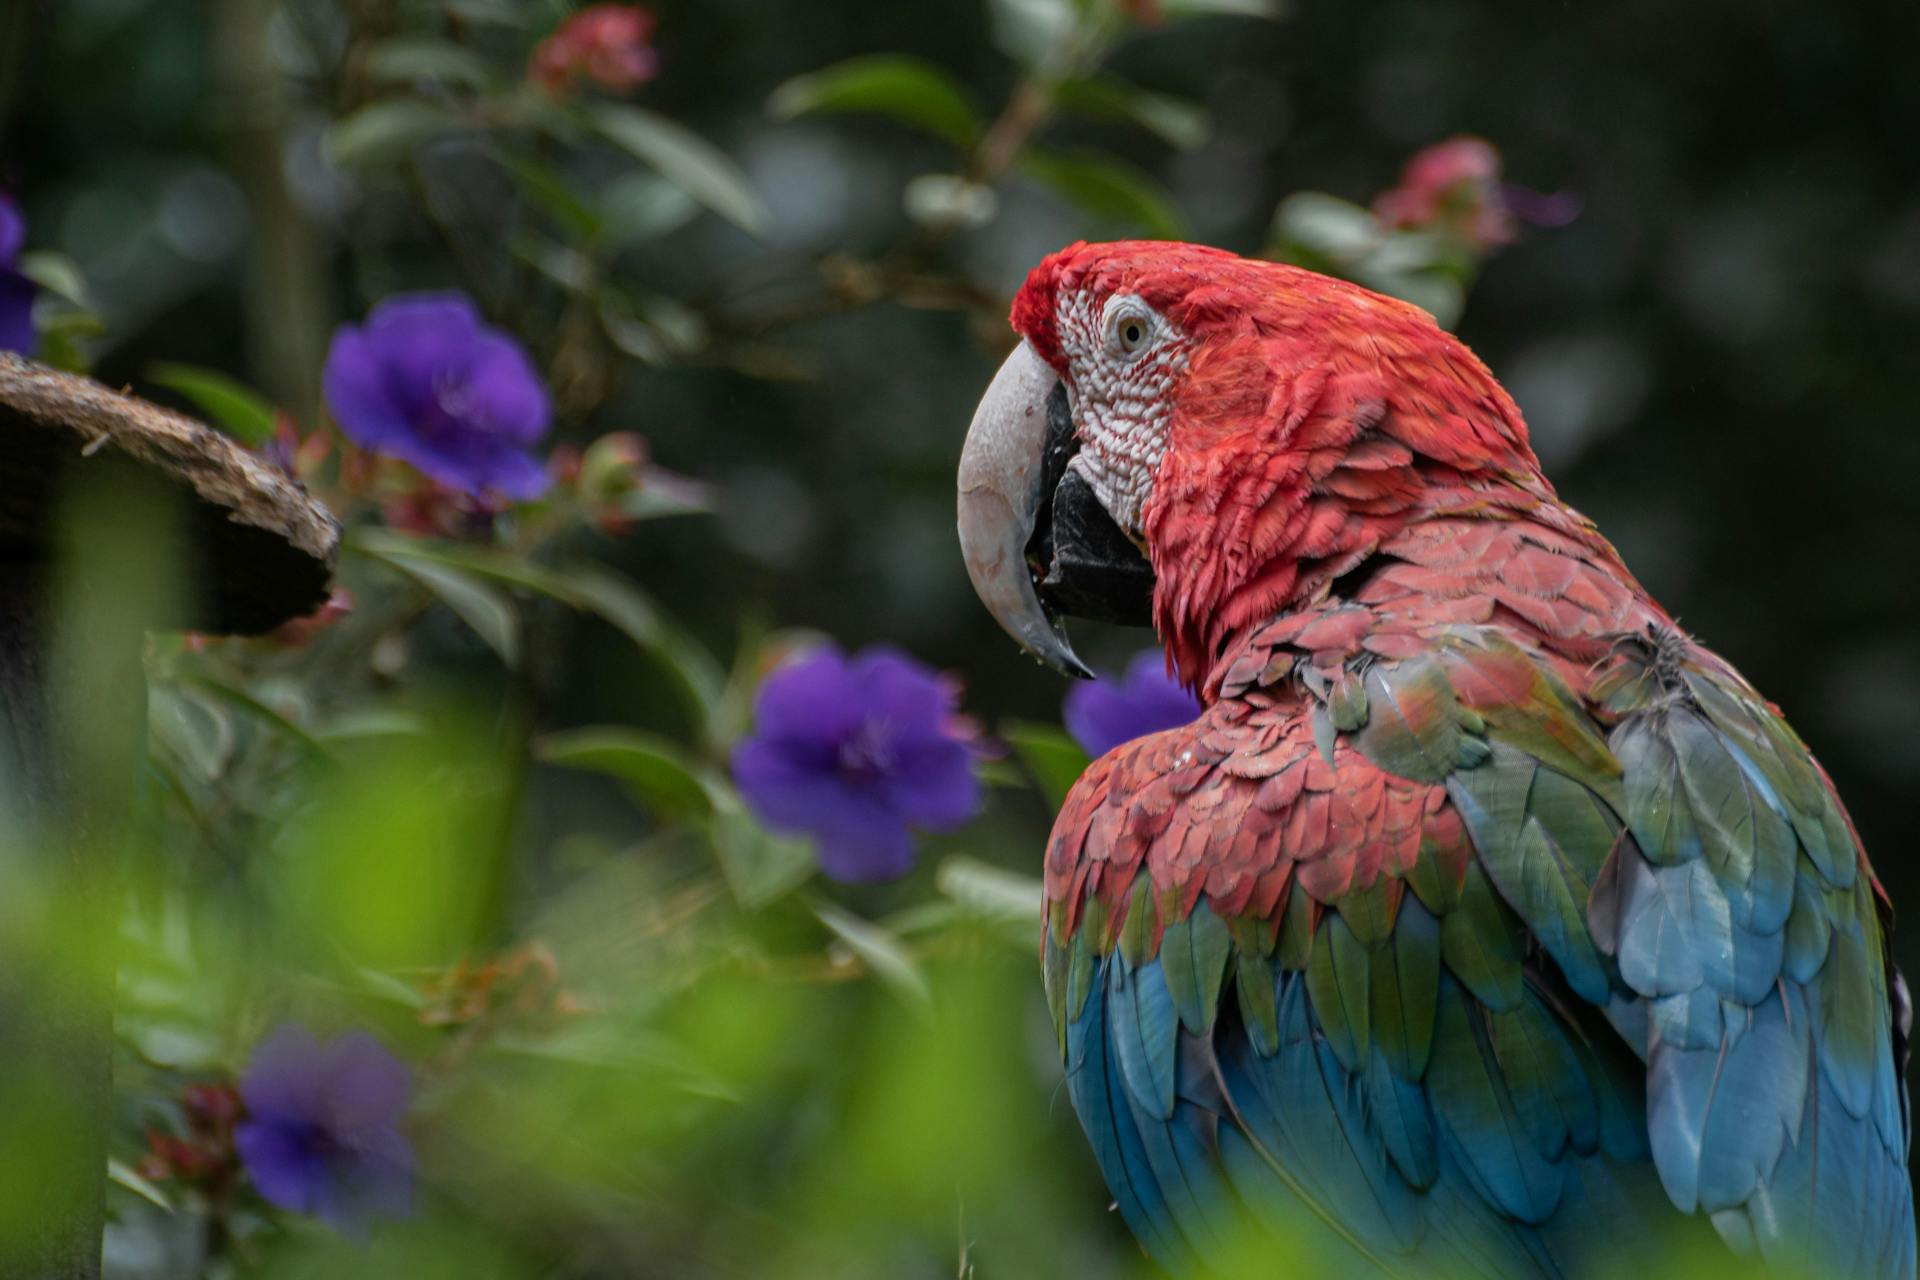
1690 247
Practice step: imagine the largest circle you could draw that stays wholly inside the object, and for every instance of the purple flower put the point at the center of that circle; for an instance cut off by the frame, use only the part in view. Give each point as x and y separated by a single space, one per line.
426 382
16 291
1102 714
321 1134
854 751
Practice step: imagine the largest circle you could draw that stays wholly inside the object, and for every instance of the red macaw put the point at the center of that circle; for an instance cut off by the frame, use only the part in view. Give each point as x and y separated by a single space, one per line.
1484 921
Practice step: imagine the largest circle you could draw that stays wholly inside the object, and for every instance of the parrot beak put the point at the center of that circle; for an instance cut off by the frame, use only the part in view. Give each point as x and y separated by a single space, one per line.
1036 540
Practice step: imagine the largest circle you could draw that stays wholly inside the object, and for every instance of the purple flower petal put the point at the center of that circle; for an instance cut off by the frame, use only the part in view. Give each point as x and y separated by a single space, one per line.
16 313
854 752
859 834
784 782
898 691
355 384
1102 714
422 339
507 392
13 230
286 1168
366 1085
474 464
375 1180
860 839
424 381
321 1133
812 699
934 783
286 1075
517 475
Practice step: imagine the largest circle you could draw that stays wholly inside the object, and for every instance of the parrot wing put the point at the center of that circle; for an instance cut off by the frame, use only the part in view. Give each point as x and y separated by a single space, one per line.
1408 944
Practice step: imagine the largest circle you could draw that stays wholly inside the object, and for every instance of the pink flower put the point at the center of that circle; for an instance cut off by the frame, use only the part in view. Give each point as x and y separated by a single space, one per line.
1456 185
1458 178
604 43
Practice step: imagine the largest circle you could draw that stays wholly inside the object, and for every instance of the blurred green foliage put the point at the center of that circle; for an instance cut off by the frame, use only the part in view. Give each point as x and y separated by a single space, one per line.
486 812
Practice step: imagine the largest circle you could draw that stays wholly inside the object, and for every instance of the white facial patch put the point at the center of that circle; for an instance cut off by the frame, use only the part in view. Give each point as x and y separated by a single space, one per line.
1122 361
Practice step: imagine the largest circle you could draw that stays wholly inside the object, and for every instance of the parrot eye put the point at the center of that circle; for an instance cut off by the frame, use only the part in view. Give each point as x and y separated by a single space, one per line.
1130 328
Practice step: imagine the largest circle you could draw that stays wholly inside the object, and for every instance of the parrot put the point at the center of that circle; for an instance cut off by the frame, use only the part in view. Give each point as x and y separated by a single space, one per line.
1485 923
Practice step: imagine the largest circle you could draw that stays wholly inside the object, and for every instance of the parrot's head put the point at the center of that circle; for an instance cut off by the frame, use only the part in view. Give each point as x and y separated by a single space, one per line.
1198 440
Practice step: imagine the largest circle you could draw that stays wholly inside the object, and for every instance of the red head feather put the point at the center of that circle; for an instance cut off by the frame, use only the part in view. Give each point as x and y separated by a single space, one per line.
1315 419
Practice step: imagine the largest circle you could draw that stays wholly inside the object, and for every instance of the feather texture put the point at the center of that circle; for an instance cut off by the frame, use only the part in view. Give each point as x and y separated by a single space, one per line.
1484 923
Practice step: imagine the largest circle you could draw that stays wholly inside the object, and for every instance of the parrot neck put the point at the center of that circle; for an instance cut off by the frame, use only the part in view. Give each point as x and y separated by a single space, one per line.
1473 549
1279 486
1203 603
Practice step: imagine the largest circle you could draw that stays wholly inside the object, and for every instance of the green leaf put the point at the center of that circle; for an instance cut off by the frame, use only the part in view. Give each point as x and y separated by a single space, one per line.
907 89
122 1174
654 768
66 321
988 891
563 264
63 351
621 603
234 407
489 612
757 652
607 1044
1002 773
1312 229
587 588
408 58
1034 33
492 13
1179 121
651 327
686 159
387 131
1326 225
191 729
1107 189
390 987
57 274
357 724
1272 10
885 957
759 865
642 206
660 499
251 706
1055 760
552 194
948 202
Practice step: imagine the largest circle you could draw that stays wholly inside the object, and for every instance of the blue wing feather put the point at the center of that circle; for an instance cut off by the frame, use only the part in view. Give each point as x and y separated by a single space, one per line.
1100 1100
1692 1035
